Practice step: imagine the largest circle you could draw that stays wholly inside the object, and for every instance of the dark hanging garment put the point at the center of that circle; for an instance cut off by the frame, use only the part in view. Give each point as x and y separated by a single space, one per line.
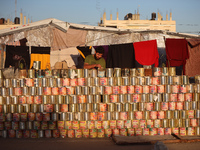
176 52
121 56
16 53
40 50
23 42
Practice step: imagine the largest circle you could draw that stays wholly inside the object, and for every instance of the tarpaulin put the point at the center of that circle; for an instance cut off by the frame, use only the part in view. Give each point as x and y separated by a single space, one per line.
72 38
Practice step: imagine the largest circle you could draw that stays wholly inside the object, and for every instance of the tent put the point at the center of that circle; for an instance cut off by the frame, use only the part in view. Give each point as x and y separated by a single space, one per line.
63 38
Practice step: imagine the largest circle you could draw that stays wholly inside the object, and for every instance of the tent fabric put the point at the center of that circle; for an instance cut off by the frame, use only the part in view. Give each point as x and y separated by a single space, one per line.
35 37
15 53
96 38
146 52
39 37
9 39
72 38
192 64
121 55
14 43
70 55
40 54
193 42
177 52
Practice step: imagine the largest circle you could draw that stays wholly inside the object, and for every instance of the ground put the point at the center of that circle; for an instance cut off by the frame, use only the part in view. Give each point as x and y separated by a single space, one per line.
82 143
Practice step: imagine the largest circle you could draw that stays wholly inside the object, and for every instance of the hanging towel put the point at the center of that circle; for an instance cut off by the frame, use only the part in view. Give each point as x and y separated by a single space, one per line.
40 54
146 52
121 55
177 52
15 53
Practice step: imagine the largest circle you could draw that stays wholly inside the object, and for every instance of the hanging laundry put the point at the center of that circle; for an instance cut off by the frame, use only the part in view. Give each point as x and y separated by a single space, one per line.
23 42
71 38
40 54
16 53
192 64
177 52
121 55
146 52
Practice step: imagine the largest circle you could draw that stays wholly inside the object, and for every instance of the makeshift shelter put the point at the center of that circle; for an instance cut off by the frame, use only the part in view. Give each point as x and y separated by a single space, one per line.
63 39
38 34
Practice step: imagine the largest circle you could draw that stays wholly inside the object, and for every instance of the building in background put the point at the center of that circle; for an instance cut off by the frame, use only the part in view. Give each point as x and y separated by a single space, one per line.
132 21
8 23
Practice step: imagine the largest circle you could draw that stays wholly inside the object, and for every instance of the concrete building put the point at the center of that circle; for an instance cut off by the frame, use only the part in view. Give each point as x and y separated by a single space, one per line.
7 23
132 21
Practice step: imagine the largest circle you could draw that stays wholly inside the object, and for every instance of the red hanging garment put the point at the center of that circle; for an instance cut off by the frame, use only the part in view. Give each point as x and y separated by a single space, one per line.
146 52
177 52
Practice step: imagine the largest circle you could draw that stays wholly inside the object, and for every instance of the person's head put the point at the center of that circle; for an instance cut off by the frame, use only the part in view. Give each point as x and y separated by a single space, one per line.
99 51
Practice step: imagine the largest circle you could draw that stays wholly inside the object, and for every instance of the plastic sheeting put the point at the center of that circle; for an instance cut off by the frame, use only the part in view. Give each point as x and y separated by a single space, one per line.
72 38
35 37
11 38
39 37
159 38
95 38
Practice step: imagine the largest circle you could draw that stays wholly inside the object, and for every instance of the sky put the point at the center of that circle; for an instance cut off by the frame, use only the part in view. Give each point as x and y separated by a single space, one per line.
186 13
